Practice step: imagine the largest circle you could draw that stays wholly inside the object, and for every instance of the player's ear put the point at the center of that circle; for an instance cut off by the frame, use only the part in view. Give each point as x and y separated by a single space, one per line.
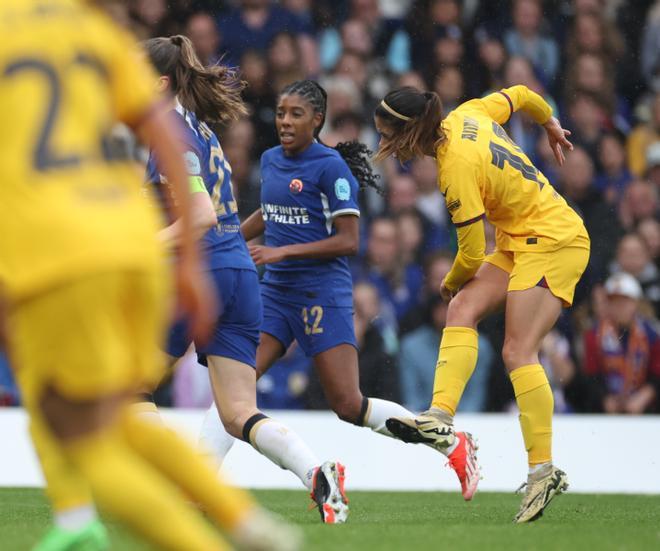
317 119
163 84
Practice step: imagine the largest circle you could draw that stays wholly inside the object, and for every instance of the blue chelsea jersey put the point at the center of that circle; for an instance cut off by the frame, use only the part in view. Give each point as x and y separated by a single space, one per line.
300 197
223 246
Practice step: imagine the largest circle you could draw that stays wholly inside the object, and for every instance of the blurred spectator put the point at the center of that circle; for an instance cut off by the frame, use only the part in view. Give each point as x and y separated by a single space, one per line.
650 53
592 33
622 355
642 136
633 257
450 86
261 98
528 39
284 62
653 164
411 236
588 117
614 175
649 230
418 357
378 367
203 33
640 201
252 26
491 57
555 357
399 285
401 193
576 184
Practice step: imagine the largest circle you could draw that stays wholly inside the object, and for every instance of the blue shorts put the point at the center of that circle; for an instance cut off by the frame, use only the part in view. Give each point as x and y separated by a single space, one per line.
317 328
236 334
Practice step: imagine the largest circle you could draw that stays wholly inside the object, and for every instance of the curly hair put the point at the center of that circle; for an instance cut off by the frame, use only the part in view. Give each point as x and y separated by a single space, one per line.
212 93
356 154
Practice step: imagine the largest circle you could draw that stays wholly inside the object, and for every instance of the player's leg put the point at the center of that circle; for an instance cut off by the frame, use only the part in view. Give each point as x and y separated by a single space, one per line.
541 284
457 356
234 391
85 323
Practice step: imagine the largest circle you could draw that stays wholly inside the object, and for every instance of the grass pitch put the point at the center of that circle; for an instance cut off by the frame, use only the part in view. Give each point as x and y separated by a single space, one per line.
412 521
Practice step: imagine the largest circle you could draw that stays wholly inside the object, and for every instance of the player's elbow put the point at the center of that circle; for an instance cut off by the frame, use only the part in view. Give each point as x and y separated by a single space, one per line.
350 245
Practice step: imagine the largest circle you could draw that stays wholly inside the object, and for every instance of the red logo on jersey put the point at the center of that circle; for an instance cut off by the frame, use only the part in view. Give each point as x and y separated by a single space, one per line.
296 186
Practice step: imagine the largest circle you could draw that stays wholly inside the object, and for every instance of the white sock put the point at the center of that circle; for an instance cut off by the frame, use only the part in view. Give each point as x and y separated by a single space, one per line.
214 441
76 518
381 410
286 449
535 468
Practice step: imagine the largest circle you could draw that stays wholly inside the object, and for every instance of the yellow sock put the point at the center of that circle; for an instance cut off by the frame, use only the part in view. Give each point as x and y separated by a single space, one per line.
65 487
456 362
184 465
128 488
536 403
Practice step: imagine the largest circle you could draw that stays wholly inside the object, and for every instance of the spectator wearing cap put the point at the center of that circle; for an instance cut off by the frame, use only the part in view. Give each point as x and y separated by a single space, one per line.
633 257
641 137
621 355
418 357
526 38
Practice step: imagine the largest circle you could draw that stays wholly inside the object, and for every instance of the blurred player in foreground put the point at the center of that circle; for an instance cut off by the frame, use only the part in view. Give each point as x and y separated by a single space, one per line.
86 285
542 251
212 95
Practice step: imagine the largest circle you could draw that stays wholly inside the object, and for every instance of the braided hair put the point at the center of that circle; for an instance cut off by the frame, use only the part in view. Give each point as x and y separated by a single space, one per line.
355 153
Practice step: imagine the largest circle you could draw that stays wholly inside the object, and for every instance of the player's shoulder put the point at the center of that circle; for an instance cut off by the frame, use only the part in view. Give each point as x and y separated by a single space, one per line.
272 154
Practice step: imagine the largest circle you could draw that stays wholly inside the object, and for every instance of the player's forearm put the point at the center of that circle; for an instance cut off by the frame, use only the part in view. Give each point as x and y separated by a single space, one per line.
203 218
337 245
253 226
528 101
470 256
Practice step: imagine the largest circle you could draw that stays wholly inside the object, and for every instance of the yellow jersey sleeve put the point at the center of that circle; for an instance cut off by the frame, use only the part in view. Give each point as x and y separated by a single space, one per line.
499 106
133 81
459 184
471 254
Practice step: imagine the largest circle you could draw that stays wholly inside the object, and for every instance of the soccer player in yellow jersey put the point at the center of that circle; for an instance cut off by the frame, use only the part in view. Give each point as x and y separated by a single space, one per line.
85 284
542 250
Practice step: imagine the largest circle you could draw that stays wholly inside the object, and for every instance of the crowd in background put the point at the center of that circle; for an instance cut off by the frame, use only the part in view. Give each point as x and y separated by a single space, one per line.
597 62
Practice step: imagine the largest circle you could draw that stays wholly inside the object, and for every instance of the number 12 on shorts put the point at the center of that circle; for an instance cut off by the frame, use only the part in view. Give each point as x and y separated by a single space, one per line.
312 319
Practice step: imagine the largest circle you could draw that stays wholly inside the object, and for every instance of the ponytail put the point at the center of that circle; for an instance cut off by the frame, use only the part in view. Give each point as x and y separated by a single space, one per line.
212 93
415 119
355 154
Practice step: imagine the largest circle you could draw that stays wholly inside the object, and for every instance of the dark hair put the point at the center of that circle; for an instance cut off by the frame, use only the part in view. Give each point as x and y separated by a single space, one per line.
212 93
355 154
417 125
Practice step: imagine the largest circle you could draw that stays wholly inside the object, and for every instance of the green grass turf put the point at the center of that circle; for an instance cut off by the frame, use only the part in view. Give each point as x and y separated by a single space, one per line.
412 521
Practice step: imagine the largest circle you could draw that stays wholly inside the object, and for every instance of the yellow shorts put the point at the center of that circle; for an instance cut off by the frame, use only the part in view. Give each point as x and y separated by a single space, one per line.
91 337
558 270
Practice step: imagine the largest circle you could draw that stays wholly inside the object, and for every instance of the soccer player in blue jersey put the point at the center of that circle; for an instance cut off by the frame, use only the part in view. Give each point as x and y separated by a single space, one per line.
212 95
309 217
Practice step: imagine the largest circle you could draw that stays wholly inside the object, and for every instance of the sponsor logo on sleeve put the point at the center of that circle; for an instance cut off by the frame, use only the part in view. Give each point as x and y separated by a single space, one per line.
342 189
193 165
454 205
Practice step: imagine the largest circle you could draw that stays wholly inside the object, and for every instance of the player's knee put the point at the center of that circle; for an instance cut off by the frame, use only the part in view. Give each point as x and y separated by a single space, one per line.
461 312
235 421
515 353
348 408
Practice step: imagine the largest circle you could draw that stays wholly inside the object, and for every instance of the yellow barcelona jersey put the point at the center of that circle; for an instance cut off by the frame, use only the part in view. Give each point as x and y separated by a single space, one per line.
483 173
70 203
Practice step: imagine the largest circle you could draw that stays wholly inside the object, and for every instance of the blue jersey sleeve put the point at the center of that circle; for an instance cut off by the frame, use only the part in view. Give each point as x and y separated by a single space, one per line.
341 189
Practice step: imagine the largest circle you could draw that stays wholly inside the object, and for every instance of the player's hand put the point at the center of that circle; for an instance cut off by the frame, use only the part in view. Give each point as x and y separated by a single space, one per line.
445 293
266 255
557 139
198 301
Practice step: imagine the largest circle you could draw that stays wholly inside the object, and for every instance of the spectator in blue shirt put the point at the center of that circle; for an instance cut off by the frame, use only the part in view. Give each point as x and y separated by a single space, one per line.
418 357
